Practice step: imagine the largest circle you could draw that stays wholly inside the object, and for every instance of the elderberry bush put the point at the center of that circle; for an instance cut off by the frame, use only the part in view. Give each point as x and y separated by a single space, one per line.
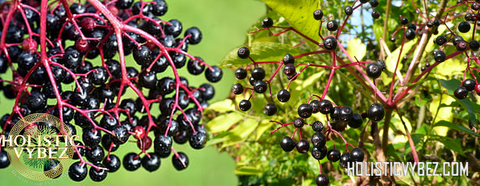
77 60
353 96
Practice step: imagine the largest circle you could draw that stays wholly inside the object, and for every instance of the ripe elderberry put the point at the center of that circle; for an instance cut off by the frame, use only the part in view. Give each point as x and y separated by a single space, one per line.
305 110
303 146
469 84
267 22
270 109
330 43
333 155
332 25
356 155
318 14
237 88
322 180
461 92
243 53
376 112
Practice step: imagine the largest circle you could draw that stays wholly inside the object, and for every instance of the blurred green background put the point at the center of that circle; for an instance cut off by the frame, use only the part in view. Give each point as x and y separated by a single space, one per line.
223 24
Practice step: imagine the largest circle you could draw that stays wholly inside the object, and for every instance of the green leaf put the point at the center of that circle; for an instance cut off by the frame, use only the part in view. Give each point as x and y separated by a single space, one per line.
215 141
241 132
223 122
298 87
466 104
248 170
264 125
450 85
356 48
222 106
449 68
299 14
261 51
461 181
444 113
393 57
391 152
456 127
450 143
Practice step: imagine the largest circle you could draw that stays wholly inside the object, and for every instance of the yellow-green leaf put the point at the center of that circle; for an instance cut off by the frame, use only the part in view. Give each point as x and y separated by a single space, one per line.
261 51
264 125
222 106
298 86
241 132
393 57
356 48
247 170
223 122
299 14
445 113
449 68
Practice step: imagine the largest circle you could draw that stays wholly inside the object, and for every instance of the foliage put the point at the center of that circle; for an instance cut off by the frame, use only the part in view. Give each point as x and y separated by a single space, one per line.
421 110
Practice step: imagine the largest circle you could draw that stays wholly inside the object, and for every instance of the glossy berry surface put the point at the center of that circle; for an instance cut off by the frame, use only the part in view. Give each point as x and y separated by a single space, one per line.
112 163
322 180
283 95
375 14
288 59
267 22
461 92
464 27
305 110
376 112
318 139
440 56
330 43
258 73
237 88
214 74
260 86
4 161
151 163
345 159
318 14
245 105
410 34
348 10
181 162
474 45
325 106
131 162
240 73
243 53
333 155
72 60
270 109
319 152
317 126
356 155
298 122
77 171
356 121
287 144
332 25
302 146
346 114
440 40
469 84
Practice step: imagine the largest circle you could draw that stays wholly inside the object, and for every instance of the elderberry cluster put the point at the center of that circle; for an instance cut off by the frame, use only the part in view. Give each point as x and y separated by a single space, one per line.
68 60
337 116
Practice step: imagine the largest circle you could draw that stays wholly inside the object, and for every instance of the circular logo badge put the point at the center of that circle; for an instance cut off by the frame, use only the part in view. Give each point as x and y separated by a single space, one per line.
40 146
